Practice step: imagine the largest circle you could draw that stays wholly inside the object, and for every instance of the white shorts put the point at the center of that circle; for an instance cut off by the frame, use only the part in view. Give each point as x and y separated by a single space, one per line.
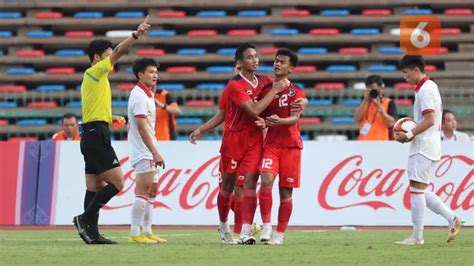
146 166
420 168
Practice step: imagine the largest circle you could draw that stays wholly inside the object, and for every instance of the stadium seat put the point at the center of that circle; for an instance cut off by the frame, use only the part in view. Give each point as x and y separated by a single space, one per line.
324 31
458 12
352 102
331 138
403 101
171 14
268 50
14 139
202 33
29 53
382 68
342 120
390 50
74 104
48 15
335 12
60 70
310 120
150 52
130 14
242 32
49 104
210 86
450 31
10 15
265 69
31 122
438 50
295 13
429 68
353 50
341 68
188 121
376 12
330 86
171 86
395 32
8 104
3 122
365 31
2 53
192 51
220 69
320 102
359 86
211 13
226 51
79 34
181 69
304 69
5 34
304 136
200 103
70 52
21 71
119 104
285 32
418 12
89 14
39 34
403 86
125 86
51 87
10 88
252 13
312 50
118 33
162 33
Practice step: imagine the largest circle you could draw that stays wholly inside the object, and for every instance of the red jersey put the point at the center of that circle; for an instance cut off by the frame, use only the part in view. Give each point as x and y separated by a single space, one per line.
283 136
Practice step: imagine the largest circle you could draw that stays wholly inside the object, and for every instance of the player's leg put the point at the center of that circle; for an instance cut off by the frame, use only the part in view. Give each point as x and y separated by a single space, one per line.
237 203
266 203
148 216
228 169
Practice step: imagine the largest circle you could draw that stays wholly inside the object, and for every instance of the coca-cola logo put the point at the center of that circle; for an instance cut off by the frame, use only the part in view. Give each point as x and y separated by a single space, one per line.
375 187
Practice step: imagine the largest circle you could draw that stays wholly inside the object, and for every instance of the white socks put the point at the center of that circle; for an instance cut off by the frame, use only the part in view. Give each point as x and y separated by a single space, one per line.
148 217
138 212
434 203
246 229
418 206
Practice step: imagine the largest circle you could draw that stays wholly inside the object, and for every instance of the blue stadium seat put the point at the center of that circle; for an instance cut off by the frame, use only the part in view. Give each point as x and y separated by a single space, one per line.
300 85
8 104
5 34
389 50
118 104
162 33
188 121
382 68
70 52
39 34
319 102
51 87
352 102
212 13
341 68
365 31
130 14
210 86
220 69
252 13
31 122
78 87
285 32
129 70
10 15
89 14
192 51
312 50
182 138
21 71
74 104
335 12
171 86
226 51
418 12
342 120
2 53
265 69
304 136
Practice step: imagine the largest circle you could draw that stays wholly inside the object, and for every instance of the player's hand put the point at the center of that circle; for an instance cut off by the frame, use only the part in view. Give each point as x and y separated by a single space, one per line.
299 105
158 160
143 27
195 135
117 118
260 123
377 102
279 86
401 137
366 94
273 120
159 104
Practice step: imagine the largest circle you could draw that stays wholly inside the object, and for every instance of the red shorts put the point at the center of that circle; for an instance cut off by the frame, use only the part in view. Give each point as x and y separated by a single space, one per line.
284 162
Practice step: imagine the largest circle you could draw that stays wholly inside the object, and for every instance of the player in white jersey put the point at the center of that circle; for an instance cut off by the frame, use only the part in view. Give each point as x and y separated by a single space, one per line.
425 150
144 156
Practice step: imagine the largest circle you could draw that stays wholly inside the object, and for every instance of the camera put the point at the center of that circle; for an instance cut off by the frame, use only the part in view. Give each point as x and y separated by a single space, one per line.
373 94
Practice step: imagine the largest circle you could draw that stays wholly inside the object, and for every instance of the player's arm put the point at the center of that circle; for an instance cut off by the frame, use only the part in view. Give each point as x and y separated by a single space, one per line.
299 104
212 123
148 140
170 106
427 122
275 120
254 109
123 47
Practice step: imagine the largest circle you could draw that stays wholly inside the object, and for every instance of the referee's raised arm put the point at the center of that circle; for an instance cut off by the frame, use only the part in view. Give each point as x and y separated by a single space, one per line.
123 47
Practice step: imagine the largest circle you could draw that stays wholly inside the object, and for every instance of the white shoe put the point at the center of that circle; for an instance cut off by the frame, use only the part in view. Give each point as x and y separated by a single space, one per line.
454 228
266 233
226 236
411 241
247 240
276 239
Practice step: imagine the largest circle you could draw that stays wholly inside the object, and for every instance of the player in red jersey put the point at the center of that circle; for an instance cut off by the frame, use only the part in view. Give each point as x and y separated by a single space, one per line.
282 149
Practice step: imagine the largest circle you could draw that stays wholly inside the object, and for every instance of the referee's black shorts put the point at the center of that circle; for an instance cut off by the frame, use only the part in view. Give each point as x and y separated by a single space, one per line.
96 147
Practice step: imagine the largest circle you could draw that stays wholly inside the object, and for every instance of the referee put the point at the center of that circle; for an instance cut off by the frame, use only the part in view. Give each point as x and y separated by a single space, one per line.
104 177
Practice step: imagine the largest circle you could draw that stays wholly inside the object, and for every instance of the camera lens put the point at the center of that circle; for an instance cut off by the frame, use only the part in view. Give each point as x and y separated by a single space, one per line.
374 94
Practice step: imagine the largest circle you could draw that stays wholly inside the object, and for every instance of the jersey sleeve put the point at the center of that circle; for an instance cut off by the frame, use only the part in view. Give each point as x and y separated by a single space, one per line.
426 99
138 106
101 68
223 100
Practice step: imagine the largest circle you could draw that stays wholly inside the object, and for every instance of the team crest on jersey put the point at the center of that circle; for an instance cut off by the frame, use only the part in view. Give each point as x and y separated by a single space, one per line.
249 92
291 93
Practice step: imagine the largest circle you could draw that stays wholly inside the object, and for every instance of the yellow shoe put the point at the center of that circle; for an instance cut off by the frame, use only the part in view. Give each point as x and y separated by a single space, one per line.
156 238
235 236
141 239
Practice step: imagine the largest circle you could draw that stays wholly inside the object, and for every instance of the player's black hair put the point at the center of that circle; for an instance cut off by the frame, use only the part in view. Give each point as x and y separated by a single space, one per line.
374 79
292 55
412 61
445 112
98 47
140 65
69 115
239 52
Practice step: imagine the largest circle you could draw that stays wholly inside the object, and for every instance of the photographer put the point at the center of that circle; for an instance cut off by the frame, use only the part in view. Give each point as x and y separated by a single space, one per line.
376 114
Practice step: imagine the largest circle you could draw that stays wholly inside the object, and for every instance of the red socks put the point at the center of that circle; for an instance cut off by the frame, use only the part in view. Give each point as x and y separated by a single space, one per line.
223 205
284 213
249 205
265 199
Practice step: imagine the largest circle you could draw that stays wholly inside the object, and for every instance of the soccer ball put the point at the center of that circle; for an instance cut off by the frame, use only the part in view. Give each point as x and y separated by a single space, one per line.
404 125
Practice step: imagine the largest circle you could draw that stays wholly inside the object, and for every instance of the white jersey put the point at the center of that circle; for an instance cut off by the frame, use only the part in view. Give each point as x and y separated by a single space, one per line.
428 99
141 103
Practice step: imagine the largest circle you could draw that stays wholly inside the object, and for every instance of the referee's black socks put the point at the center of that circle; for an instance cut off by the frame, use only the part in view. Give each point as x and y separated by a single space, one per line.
98 200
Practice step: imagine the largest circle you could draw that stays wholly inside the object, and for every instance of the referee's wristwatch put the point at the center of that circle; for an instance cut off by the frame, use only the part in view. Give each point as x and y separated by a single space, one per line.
134 35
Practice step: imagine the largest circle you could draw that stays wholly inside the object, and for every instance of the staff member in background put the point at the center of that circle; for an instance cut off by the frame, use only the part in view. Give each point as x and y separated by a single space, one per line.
70 129
166 110
448 128
376 114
